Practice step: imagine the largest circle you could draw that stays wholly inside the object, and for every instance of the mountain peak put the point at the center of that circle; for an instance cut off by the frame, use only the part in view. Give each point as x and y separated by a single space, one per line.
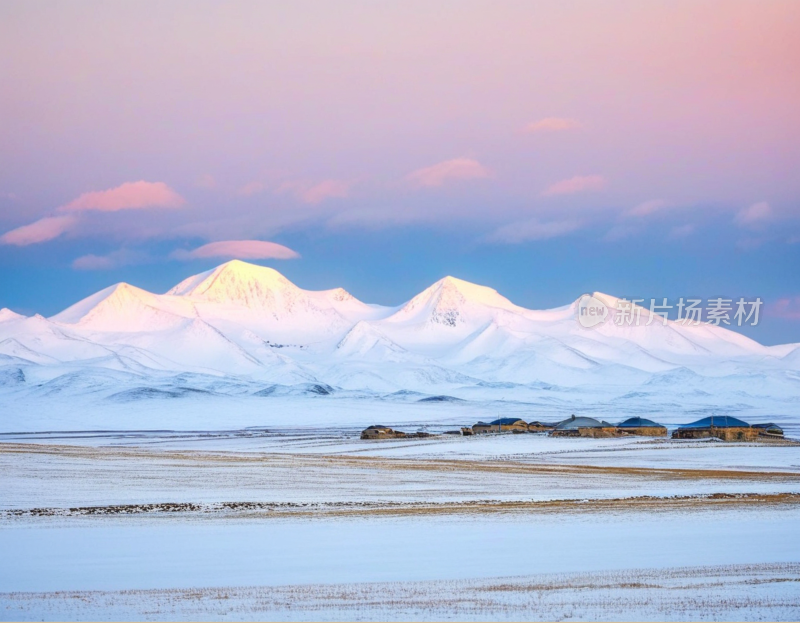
450 300
233 271
265 291
7 314
236 282
117 307
467 289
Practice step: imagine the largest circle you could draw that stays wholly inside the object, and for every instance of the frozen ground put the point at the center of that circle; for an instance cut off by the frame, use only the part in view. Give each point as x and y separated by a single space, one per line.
57 476
312 523
728 593
634 566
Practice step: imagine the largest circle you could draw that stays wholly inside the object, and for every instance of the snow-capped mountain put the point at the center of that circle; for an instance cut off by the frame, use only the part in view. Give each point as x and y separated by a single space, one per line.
251 327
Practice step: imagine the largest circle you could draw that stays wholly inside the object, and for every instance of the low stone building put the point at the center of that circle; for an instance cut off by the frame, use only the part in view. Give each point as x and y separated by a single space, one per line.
381 432
585 427
505 424
642 426
722 427
539 427
769 430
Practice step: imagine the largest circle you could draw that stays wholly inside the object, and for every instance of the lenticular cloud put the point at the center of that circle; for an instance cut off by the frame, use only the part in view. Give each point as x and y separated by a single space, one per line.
247 249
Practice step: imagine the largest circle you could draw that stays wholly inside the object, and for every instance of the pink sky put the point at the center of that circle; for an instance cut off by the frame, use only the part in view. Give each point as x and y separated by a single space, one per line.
220 103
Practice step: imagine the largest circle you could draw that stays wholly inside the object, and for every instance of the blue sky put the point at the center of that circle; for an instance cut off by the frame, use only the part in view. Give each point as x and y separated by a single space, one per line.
643 150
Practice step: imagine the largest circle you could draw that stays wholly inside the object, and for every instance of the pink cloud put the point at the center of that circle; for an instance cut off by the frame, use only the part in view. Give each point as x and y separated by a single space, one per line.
240 249
315 193
126 196
647 207
576 184
754 216
534 230
788 308
325 190
251 188
447 171
553 124
42 230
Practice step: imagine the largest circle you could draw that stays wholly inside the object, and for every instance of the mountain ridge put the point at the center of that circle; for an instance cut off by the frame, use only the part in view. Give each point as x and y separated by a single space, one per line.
242 321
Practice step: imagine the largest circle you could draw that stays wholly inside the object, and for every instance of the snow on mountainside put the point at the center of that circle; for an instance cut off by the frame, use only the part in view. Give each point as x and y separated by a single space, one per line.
6 315
123 307
451 302
254 328
267 292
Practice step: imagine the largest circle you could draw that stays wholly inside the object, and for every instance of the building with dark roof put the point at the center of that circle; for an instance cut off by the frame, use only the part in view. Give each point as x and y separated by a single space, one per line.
642 426
722 427
504 424
769 430
585 427
538 427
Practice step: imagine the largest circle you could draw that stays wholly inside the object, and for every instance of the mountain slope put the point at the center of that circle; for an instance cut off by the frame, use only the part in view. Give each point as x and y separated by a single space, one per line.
268 293
249 323
453 303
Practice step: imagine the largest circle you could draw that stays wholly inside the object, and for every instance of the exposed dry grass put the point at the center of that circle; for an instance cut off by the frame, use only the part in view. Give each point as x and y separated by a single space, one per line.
364 509
381 463
731 592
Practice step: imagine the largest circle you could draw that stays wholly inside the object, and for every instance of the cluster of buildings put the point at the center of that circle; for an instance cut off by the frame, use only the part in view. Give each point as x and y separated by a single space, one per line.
573 427
724 427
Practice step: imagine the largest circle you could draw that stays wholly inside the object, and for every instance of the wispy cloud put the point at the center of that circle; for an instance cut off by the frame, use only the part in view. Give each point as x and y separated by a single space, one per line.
576 184
754 216
647 208
553 124
115 259
457 169
240 249
127 196
533 229
315 193
787 308
327 189
44 229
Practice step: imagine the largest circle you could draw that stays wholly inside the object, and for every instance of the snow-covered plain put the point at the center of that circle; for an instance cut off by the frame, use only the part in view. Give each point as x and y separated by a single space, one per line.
196 455
726 593
324 526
